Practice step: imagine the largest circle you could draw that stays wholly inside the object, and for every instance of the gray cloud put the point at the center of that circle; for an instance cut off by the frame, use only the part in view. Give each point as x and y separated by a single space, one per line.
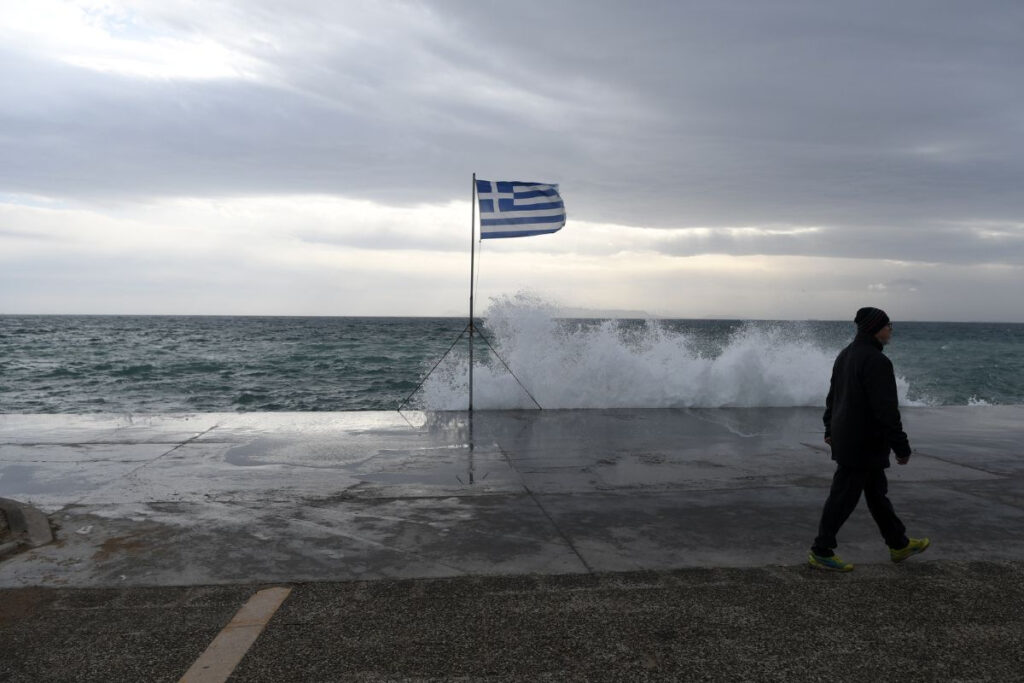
667 115
893 128
908 242
898 285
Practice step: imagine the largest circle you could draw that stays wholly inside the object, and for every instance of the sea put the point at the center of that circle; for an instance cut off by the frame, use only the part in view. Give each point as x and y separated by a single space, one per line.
525 356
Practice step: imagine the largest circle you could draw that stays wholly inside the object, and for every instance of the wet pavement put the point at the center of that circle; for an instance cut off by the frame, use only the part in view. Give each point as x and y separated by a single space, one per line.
555 545
228 498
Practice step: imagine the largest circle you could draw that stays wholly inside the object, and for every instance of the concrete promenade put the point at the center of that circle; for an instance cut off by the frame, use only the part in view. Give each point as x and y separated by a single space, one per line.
605 545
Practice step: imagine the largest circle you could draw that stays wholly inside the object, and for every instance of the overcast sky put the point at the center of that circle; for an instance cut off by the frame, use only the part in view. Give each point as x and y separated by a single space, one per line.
780 160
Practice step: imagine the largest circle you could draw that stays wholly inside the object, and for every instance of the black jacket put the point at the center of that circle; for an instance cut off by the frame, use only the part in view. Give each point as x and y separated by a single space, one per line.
862 412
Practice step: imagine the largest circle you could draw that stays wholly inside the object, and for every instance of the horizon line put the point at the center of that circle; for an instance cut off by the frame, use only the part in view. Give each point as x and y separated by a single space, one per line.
717 318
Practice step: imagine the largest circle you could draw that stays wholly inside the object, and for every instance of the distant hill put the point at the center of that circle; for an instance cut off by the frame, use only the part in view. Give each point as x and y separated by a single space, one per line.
605 314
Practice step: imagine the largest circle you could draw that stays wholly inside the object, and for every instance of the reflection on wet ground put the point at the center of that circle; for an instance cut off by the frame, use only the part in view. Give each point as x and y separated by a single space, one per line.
359 495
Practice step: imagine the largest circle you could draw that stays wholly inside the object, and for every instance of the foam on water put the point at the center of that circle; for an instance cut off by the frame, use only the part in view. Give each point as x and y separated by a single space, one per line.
174 364
612 364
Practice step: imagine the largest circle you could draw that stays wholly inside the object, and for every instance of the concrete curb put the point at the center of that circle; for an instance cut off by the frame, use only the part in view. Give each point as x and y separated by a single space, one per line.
25 527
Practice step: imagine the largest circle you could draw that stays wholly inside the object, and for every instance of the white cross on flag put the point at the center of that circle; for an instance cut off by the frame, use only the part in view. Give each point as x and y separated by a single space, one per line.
517 209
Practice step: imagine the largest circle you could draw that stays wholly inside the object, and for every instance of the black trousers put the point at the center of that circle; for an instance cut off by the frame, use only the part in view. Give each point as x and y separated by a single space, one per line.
847 485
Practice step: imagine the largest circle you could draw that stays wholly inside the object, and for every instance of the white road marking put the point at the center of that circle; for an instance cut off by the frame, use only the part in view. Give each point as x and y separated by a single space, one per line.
219 660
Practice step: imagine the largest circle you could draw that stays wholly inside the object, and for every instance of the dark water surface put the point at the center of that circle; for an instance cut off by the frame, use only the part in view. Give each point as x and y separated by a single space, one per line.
150 364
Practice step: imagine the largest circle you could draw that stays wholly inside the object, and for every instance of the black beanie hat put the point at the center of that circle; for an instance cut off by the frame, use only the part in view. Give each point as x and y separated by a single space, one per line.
871 320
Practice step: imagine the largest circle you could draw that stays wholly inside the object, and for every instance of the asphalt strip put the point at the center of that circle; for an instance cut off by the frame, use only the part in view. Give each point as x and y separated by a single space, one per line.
219 660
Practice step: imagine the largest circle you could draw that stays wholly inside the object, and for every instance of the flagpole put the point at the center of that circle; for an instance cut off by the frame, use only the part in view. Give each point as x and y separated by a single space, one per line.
472 259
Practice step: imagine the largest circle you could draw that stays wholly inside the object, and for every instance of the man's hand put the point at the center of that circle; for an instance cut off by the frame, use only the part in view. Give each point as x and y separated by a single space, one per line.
902 461
828 440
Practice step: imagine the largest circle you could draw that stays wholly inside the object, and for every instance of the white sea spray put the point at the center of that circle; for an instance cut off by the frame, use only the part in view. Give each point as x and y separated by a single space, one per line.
611 364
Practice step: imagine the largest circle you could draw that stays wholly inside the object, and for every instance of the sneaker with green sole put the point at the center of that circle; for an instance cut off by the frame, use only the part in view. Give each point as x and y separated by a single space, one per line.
833 563
915 546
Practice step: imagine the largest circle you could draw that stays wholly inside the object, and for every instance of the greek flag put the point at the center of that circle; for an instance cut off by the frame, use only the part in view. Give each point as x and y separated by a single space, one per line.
515 209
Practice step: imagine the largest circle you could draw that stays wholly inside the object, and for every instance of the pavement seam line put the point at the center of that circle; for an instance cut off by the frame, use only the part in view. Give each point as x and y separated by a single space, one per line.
976 468
551 520
223 655
146 464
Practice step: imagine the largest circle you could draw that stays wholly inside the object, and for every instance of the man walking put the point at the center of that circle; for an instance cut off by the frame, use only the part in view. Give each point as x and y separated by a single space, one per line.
862 425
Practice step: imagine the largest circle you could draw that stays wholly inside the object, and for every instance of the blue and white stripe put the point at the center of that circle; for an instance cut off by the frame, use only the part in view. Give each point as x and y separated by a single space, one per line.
515 209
